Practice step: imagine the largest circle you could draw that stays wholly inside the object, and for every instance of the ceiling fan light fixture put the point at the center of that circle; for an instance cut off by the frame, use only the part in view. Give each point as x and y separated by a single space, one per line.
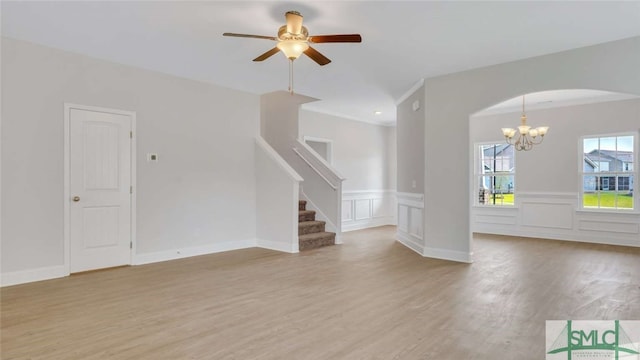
292 49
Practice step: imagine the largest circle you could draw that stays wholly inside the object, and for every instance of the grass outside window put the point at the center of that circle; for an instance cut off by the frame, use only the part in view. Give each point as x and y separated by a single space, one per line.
608 199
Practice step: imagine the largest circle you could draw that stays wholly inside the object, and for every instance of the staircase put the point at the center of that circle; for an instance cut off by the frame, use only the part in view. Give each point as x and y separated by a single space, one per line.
311 234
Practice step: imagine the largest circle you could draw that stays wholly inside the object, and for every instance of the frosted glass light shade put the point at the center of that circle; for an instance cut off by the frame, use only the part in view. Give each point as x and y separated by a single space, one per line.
542 130
292 49
524 129
533 132
508 132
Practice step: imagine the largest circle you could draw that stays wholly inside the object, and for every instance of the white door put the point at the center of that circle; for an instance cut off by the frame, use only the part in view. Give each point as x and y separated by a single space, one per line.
99 188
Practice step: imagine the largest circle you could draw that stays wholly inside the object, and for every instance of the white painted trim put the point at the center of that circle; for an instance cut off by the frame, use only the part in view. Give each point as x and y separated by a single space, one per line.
411 91
67 177
410 199
295 240
277 246
352 225
180 253
334 187
410 242
353 193
446 254
31 275
603 227
386 217
270 152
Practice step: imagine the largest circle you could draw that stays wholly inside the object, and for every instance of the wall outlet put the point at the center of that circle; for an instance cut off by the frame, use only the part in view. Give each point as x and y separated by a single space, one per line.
152 157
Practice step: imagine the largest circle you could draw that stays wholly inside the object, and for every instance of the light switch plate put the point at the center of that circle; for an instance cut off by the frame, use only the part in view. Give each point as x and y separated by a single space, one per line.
152 157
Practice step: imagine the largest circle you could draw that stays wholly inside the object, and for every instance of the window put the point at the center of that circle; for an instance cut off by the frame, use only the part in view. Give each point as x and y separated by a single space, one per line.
495 174
607 172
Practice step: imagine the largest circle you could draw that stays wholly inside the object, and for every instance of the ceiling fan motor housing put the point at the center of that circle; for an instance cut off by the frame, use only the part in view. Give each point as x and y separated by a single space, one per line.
284 34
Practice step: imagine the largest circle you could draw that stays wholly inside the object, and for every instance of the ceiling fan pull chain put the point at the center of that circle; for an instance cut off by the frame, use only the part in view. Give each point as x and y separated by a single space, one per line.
290 76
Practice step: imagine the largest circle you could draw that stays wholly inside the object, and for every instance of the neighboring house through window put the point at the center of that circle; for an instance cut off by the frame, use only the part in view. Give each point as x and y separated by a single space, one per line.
495 174
608 172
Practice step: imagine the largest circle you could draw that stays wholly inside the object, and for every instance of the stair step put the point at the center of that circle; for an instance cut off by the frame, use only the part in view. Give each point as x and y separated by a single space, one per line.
316 240
302 205
310 227
306 215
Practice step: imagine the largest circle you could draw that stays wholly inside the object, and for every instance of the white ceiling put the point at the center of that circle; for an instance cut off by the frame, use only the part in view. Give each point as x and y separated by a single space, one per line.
402 41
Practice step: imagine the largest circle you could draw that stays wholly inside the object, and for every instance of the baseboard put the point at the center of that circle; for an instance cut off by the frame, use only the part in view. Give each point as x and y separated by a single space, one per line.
278 246
141 259
606 239
451 255
375 222
408 241
27 276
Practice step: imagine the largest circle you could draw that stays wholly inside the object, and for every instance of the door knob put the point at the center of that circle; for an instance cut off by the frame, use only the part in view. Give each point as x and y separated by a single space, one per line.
76 198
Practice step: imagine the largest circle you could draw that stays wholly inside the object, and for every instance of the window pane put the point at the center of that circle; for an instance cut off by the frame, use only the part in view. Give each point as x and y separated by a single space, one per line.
588 183
590 145
608 143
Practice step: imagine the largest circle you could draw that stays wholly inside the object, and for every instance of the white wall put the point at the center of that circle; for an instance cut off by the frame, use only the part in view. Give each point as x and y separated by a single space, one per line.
449 100
277 187
548 177
360 150
200 195
410 134
364 154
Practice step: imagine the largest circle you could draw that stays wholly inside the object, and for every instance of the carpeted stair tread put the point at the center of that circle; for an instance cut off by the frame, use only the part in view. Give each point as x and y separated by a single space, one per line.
308 227
316 240
306 215
302 205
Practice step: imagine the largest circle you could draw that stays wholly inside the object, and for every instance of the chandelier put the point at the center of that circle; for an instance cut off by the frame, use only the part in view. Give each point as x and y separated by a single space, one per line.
524 137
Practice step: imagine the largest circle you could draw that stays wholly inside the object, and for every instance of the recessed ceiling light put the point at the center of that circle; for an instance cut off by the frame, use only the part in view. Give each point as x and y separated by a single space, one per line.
377 112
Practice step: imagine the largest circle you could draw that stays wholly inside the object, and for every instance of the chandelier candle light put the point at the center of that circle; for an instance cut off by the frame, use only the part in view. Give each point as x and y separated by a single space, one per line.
526 136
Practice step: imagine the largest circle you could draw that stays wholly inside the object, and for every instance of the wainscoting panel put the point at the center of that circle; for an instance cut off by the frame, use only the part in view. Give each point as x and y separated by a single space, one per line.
367 208
557 216
546 215
410 221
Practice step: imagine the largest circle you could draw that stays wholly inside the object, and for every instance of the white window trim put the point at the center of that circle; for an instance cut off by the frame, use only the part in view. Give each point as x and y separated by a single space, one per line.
634 174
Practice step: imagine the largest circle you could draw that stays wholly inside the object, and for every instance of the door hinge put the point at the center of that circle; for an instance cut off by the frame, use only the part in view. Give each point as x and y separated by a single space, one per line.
130 134
130 189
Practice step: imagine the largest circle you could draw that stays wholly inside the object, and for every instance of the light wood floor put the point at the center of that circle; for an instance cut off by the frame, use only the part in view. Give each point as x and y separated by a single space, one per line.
370 298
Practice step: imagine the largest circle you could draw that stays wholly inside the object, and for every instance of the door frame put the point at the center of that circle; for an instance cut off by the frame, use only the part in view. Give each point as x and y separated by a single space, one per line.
67 177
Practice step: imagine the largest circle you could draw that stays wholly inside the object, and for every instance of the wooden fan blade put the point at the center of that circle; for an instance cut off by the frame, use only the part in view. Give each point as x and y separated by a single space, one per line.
267 55
343 38
250 36
316 56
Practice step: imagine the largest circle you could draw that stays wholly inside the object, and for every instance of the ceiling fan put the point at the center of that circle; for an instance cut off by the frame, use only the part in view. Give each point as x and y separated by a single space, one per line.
293 40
